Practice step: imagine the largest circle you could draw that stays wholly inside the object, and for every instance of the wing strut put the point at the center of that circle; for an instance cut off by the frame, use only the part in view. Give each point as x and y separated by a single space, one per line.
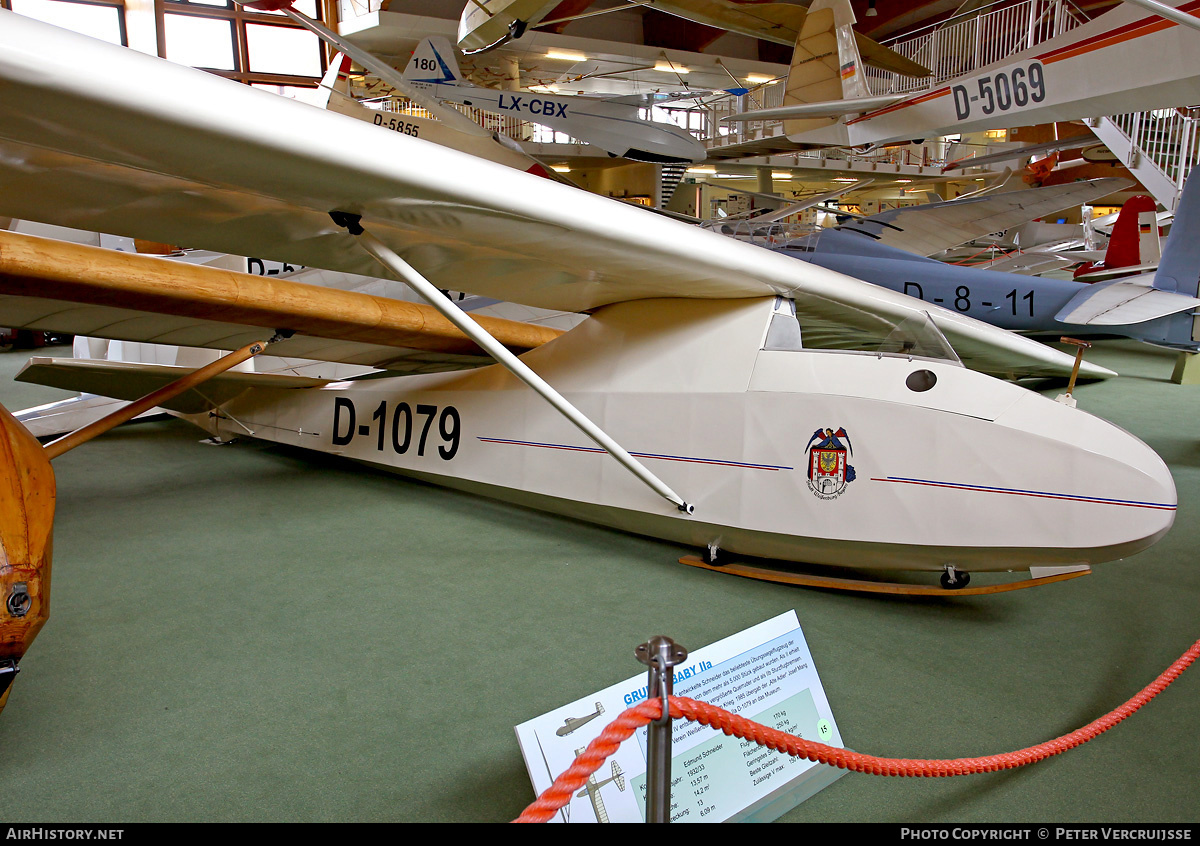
389 259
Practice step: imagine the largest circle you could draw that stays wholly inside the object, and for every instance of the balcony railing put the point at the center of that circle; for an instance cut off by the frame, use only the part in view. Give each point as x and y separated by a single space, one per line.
960 46
1166 137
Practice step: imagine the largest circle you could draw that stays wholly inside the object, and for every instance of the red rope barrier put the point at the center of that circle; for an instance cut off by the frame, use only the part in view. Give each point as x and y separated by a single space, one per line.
597 752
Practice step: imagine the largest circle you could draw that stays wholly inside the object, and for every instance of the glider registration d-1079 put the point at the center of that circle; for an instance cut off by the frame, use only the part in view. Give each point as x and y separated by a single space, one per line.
682 408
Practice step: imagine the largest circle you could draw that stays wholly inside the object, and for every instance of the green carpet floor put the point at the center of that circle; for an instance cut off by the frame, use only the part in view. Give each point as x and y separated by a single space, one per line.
256 633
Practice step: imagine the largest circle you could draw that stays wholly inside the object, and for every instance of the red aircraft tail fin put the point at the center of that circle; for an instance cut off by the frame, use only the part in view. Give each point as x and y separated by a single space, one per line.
1124 247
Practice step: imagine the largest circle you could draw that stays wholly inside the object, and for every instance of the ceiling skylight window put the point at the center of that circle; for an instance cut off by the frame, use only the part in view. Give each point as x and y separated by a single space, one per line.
200 42
98 21
278 49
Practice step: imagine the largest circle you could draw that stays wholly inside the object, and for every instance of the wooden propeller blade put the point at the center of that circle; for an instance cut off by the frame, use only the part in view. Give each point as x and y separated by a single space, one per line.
26 529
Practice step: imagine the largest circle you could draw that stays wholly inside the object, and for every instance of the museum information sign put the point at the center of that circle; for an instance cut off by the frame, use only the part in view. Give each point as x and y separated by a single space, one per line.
764 673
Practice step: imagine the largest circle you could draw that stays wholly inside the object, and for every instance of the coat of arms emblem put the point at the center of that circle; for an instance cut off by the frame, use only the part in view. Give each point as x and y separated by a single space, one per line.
828 469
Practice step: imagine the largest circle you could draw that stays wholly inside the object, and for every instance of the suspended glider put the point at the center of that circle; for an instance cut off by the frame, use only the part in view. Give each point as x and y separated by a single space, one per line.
611 125
334 94
489 23
929 228
1117 59
1023 153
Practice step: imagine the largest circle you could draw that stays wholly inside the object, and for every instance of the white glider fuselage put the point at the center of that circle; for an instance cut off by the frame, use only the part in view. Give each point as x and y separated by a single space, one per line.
613 127
1127 60
610 125
947 466
484 147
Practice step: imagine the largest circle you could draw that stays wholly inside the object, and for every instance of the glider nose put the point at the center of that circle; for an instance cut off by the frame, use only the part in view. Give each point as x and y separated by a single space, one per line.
1104 492
26 520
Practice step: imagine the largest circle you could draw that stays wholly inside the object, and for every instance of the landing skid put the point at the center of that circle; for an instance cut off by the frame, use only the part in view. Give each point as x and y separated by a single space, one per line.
788 577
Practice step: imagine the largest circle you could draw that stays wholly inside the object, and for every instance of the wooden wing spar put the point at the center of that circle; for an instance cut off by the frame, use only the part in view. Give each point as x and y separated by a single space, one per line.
84 290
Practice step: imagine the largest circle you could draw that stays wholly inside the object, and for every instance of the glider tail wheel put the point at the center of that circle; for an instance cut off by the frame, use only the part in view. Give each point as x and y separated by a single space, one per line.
953 579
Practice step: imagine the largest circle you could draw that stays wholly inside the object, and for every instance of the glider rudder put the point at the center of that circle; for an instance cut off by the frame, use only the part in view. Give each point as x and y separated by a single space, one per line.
433 62
826 65
1124 247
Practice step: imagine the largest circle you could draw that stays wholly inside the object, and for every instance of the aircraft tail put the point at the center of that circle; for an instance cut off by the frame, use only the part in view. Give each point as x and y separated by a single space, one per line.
130 380
1179 269
618 776
826 64
1134 239
433 62
1089 231
334 85
1178 275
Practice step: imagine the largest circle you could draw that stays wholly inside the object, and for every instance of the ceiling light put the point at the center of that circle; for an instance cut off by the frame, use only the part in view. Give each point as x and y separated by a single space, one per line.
702 169
732 176
761 79
871 9
904 181
565 56
667 67
844 179
780 175
562 168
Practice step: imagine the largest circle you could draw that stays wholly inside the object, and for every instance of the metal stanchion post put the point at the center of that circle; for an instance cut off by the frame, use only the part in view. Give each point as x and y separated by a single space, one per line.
1068 398
661 655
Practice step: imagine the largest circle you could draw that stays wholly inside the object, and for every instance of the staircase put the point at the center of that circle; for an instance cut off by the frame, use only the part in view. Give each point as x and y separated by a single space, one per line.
670 177
1160 148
